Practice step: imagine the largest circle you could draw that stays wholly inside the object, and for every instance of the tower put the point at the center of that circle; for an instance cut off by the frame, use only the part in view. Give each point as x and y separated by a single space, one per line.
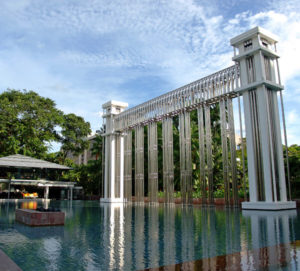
114 154
255 52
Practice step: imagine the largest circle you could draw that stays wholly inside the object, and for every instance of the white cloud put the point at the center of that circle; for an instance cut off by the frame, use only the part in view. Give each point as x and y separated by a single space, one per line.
82 53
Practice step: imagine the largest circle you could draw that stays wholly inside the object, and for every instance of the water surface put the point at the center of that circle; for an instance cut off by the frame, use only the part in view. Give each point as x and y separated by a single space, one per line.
134 237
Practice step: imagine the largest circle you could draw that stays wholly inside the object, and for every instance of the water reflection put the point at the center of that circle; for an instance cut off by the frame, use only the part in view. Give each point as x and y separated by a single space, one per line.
29 205
134 237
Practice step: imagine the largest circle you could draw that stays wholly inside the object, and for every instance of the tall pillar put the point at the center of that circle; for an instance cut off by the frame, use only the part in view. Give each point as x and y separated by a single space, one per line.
114 154
46 192
255 52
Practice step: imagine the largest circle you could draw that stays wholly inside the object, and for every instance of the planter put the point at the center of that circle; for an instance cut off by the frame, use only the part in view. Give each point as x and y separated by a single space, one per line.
37 218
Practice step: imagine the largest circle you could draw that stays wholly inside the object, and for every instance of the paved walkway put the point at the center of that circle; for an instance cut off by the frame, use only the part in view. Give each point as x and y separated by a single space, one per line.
6 264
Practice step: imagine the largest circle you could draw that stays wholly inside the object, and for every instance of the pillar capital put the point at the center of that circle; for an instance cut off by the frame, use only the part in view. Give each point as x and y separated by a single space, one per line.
255 52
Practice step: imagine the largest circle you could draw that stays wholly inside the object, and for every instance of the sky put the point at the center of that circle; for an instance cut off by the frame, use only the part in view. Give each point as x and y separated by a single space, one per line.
84 53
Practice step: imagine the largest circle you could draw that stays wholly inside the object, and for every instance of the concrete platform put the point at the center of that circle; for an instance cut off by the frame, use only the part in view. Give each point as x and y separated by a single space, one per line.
6 264
271 206
36 218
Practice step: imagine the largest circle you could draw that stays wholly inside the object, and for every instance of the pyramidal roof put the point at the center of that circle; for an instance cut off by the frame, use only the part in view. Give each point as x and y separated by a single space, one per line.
22 161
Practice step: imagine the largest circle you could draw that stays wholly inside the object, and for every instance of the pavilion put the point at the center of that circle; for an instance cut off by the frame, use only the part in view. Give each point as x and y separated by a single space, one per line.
28 171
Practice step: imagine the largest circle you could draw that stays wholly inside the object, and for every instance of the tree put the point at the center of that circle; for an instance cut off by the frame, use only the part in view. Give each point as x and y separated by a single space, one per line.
294 163
73 135
29 123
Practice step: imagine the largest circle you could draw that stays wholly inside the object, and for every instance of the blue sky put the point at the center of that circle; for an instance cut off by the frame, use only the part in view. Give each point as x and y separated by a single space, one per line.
83 53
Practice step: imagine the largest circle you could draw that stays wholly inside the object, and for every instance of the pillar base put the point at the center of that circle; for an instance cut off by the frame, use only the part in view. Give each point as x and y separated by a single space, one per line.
269 206
113 200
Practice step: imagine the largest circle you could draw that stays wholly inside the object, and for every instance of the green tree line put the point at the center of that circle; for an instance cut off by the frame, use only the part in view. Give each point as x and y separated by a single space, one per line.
29 124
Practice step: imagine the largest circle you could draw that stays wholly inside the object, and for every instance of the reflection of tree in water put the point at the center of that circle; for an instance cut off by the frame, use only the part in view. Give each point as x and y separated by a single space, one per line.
140 236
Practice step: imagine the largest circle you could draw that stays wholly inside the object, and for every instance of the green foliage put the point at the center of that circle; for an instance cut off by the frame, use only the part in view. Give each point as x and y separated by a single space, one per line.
73 133
89 176
29 124
294 163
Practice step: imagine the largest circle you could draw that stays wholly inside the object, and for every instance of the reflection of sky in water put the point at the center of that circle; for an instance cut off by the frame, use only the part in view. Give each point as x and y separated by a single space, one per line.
135 237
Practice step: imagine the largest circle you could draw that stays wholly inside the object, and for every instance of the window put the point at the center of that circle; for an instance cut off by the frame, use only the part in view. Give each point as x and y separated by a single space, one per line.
264 42
247 45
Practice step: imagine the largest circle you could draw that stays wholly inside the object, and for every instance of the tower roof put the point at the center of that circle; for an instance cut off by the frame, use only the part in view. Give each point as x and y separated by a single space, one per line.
254 31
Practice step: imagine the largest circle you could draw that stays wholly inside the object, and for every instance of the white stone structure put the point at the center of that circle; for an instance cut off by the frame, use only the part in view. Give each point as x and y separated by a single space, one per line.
256 78
114 154
255 52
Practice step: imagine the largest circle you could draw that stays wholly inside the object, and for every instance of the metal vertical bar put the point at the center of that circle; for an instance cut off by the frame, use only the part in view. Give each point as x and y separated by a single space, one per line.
182 159
117 167
242 149
128 165
168 164
139 164
271 149
152 162
209 154
224 151
286 145
201 153
232 152
188 162
103 165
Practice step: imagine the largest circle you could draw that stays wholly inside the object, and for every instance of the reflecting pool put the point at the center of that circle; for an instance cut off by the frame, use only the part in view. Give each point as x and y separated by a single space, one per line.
137 237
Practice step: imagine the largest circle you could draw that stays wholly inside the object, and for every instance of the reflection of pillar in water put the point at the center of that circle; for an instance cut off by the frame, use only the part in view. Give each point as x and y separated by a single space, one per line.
211 235
204 237
268 230
114 234
46 192
236 217
128 255
228 231
153 235
169 233
139 236
187 241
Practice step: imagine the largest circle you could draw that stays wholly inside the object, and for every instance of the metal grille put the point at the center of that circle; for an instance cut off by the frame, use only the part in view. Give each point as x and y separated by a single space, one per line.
152 162
139 164
185 157
207 90
168 162
202 153
128 165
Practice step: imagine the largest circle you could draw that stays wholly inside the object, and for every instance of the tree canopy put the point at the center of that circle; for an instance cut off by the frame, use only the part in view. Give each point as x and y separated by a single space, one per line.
29 124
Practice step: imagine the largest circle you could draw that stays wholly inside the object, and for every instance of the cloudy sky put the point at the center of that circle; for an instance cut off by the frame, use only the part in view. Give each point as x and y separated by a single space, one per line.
83 53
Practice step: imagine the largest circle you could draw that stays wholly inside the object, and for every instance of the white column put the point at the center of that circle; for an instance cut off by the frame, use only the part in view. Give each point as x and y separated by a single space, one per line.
250 149
122 167
112 166
106 167
46 193
279 151
263 119
71 193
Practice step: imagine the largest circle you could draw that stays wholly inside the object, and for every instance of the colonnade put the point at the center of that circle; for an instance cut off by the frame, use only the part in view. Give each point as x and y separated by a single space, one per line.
255 77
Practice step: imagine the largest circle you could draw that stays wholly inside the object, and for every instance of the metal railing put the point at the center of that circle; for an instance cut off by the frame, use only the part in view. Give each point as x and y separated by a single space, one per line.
207 90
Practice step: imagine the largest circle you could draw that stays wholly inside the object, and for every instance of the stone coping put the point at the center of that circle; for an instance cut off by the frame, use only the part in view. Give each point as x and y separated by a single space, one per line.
36 218
7 264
